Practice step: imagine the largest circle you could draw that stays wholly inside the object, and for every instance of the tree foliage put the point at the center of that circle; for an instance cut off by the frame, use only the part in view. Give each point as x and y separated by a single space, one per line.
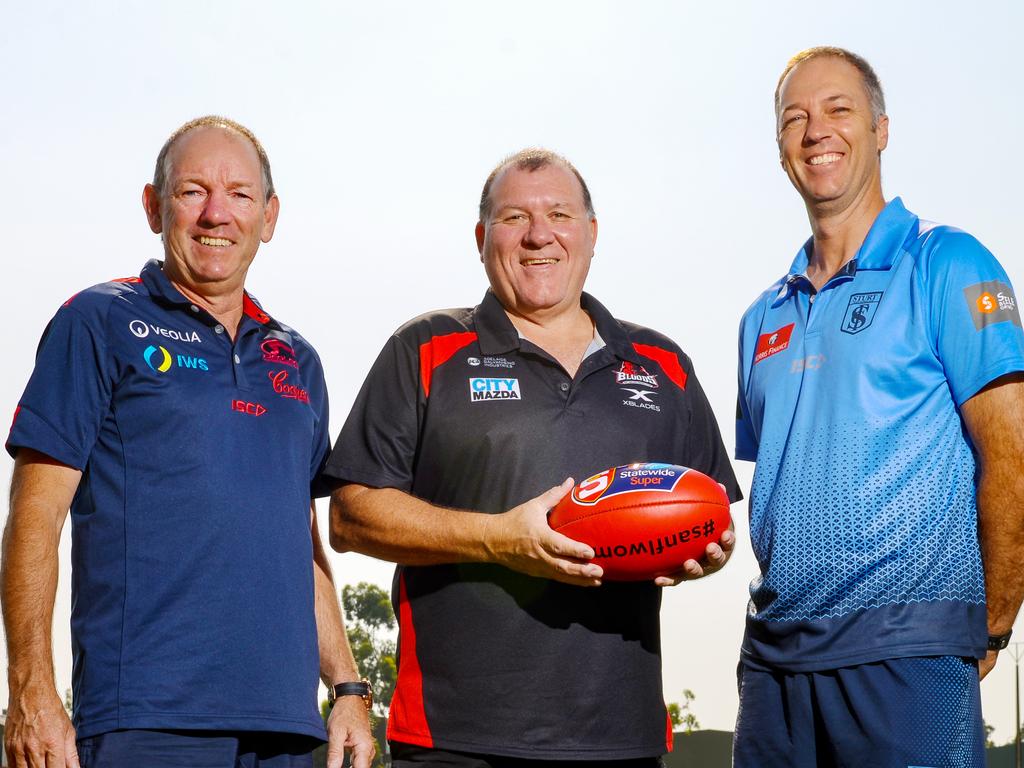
370 624
681 716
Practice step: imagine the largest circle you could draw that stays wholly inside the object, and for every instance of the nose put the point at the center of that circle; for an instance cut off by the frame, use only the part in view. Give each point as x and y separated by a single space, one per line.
817 128
216 210
539 234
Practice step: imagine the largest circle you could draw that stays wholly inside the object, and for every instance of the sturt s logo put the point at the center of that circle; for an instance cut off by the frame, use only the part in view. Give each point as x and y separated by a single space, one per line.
481 389
860 311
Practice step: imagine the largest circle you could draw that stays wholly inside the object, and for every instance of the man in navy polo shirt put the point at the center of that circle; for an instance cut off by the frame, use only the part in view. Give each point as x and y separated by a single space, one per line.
511 651
882 397
185 428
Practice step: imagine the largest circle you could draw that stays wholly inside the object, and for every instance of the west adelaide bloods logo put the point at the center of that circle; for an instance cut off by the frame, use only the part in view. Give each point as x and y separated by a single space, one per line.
769 344
630 373
860 311
277 351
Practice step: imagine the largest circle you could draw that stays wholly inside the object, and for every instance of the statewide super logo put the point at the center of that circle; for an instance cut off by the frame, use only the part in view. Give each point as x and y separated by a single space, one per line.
992 302
860 311
628 479
159 360
481 389
769 344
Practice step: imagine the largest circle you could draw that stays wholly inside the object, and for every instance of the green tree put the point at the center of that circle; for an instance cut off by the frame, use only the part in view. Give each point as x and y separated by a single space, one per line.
370 625
680 715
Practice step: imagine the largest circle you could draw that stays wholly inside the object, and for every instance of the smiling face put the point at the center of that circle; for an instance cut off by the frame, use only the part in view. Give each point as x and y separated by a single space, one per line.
538 240
829 145
213 212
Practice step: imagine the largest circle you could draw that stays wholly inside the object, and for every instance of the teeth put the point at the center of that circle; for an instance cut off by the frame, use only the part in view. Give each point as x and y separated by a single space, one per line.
532 262
217 241
830 157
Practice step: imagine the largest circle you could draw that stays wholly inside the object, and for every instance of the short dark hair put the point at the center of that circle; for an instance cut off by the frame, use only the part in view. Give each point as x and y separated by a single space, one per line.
532 159
871 82
160 174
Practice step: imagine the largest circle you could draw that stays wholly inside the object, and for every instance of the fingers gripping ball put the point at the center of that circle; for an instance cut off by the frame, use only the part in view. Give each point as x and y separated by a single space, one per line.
644 520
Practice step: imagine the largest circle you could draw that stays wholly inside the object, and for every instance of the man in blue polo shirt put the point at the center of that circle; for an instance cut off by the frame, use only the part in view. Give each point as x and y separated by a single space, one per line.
186 429
881 396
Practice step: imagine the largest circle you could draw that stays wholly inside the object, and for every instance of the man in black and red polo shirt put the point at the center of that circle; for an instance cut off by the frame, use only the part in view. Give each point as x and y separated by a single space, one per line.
511 650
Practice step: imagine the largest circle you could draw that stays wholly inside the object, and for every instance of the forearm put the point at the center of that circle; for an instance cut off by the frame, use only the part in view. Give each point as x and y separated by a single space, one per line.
336 661
28 578
1001 533
393 525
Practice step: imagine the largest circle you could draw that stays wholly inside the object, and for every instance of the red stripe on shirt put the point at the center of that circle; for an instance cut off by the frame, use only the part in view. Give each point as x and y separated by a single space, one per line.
669 362
407 718
669 735
438 351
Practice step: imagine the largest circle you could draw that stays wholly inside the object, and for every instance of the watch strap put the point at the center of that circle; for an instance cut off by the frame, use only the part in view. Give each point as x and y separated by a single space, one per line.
999 642
359 688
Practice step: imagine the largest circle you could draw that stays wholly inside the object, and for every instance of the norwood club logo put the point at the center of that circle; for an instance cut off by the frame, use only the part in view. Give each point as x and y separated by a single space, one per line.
141 330
630 373
279 380
277 351
631 477
159 360
860 311
992 302
481 389
769 344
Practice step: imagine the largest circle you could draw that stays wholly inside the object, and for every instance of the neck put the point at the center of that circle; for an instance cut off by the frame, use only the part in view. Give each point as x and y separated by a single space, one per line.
564 336
839 233
225 306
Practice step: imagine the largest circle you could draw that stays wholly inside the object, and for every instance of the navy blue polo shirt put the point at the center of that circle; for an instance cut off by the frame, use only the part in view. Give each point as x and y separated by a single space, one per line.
463 412
863 514
192 579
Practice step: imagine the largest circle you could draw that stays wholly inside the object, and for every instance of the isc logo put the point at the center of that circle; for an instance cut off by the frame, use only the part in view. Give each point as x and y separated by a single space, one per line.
253 409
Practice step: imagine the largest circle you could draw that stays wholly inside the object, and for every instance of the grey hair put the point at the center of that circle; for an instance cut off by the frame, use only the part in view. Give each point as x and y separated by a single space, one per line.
532 159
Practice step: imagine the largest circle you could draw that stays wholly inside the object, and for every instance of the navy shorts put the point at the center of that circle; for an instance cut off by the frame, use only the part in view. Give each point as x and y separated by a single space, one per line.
409 756
196 749
922 712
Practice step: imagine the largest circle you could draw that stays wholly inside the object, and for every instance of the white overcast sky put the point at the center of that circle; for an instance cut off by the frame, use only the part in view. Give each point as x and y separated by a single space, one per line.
382 120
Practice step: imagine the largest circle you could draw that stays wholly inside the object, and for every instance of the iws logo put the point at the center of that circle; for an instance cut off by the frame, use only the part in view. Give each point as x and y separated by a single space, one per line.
276 351
141 330
992 302
630 373
860 312
769 344
481 389
279 380
159 360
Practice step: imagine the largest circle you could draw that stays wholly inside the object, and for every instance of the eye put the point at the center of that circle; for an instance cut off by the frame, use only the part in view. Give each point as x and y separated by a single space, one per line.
514 218
559 215
792 120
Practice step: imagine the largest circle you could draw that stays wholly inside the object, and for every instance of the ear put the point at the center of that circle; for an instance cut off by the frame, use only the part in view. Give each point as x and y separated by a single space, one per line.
593 231
270 212
151 203
480 232
882 132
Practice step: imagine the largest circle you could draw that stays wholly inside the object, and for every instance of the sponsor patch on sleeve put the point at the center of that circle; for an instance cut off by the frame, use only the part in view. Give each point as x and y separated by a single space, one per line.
991 302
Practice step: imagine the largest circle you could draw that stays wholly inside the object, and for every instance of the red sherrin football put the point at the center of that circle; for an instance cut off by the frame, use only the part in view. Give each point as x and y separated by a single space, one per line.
644 520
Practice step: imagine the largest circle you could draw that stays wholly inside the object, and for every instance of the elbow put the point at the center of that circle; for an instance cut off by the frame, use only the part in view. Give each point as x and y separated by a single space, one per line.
343 520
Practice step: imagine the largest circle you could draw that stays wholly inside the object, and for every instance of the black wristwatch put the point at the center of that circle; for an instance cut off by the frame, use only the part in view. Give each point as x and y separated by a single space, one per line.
998 642
361 689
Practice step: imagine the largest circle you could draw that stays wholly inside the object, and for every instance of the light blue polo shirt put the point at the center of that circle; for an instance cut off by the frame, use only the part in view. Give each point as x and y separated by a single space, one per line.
862 509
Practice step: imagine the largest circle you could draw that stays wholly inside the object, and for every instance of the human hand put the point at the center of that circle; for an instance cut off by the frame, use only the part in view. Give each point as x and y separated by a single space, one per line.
986 664
522 540
715 558
38 732
348 727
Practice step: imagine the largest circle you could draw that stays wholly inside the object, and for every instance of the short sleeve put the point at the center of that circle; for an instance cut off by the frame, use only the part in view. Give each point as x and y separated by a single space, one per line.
974 315
746 442
378 443
706 452
68 395
321 446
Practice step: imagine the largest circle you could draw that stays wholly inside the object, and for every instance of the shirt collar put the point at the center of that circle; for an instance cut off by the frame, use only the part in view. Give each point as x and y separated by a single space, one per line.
496 334
161 288
878 251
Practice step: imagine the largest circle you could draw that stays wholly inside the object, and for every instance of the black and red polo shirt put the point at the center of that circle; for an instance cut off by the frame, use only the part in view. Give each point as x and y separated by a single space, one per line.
461 411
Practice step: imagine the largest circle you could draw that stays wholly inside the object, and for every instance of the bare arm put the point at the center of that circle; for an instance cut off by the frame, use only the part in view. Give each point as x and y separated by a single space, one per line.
38 731
994 419
396 526
348 725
